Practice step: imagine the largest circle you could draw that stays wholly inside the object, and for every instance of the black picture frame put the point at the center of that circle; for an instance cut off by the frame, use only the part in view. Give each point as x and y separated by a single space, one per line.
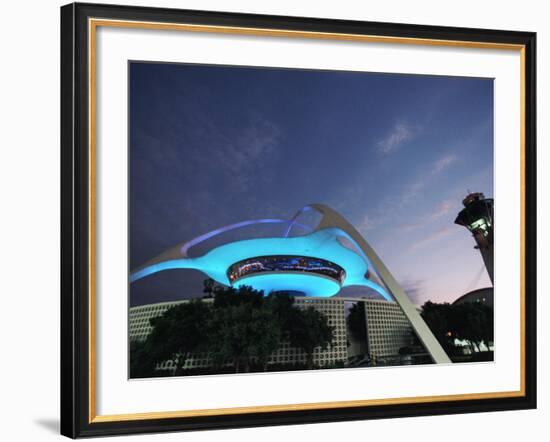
76 402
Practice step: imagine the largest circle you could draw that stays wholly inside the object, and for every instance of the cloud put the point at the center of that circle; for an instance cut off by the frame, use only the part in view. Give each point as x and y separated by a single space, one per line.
414 288
367 223
188 201
408 195
235 154
400 134
414 188
410 226
252 146
442 209
432 237
258 140
443 163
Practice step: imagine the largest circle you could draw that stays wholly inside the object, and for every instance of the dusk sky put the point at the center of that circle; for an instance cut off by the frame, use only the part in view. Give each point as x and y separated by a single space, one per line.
394 154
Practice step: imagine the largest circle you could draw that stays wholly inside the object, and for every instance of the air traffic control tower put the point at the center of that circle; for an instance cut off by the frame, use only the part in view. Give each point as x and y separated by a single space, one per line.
477 217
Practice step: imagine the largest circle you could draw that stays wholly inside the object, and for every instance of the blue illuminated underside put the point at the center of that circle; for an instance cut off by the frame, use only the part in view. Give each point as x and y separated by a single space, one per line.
321 244
309 285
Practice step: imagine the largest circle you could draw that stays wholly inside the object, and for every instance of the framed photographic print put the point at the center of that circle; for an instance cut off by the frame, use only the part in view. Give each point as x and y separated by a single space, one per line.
277 220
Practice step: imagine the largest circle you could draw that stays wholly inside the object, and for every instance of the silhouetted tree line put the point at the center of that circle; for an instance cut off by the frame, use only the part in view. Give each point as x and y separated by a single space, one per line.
470 321
240 327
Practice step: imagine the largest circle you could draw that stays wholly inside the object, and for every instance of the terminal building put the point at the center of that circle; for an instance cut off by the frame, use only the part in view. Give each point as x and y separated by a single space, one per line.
483 296
387 331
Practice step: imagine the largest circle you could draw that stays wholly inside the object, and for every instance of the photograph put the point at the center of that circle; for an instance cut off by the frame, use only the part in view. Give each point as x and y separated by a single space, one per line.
273 220
284 219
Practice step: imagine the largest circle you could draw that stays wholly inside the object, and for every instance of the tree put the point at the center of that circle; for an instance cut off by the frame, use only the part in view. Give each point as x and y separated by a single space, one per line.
243 328
281 307
248 327
265 335
208 287
438 318
357 323
240 327
309 330
488 332
142 364
181 331
473 322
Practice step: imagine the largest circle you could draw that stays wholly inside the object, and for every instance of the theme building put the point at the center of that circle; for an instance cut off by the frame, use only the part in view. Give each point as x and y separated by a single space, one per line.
318 263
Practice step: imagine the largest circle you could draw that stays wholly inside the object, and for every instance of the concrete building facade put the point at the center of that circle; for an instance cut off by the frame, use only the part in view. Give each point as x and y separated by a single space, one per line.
387 328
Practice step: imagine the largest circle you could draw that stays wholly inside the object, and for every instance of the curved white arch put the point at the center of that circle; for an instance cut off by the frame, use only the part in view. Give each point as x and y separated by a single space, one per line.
331 218
186 246
180 250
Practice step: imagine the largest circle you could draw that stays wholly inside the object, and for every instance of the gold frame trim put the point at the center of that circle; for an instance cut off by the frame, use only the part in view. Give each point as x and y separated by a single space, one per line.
93 24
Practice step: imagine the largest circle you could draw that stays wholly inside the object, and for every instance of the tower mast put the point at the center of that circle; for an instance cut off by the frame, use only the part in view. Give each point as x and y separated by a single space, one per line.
477 216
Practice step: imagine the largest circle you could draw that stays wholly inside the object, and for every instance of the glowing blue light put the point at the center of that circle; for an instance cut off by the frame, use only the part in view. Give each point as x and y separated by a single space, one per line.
309 285
321 244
